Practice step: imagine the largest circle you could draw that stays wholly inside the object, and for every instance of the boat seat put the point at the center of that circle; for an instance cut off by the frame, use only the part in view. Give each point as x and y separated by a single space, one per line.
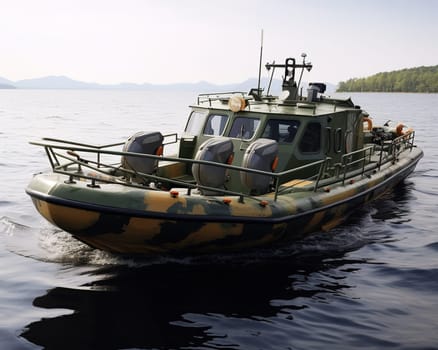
218 150
144 143
262 154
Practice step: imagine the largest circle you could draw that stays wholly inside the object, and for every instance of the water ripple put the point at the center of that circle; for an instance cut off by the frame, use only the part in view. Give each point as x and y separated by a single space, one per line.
367 284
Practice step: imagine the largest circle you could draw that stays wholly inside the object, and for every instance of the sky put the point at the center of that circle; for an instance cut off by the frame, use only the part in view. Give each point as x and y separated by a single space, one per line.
176 41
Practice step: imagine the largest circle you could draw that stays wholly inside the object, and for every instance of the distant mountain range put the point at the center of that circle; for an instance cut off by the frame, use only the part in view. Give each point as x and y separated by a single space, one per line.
63 82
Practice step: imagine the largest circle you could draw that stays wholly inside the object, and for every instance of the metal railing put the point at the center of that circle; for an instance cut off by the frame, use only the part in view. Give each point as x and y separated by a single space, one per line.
217 96
356 159
322 172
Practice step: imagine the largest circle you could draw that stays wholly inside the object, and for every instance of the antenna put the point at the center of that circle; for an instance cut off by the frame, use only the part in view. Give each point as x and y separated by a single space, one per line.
270 80
260 64
303 55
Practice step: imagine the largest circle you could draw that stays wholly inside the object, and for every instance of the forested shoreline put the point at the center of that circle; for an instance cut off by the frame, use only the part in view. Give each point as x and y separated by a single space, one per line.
419 79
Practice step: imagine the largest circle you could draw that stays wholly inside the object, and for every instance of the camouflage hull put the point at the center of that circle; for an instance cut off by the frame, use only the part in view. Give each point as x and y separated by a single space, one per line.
130 220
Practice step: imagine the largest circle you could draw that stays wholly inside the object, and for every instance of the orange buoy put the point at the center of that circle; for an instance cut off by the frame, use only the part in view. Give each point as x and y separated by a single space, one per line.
399 130
369 122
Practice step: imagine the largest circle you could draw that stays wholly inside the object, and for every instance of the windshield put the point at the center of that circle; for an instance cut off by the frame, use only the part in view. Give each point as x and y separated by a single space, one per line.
281 130
215 124
244 127
195 123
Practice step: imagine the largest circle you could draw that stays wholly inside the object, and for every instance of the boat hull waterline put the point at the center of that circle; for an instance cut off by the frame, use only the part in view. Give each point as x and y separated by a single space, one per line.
125 220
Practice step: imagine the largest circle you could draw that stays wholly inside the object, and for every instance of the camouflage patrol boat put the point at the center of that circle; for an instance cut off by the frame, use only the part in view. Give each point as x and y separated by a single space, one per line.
251 170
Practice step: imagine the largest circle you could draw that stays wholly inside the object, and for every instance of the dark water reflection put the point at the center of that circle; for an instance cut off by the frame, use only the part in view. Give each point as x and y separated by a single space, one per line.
156 306
265 300
331 290
368 284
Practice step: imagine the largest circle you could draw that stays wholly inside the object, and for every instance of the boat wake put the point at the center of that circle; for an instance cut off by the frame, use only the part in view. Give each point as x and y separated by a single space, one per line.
316 247
49 244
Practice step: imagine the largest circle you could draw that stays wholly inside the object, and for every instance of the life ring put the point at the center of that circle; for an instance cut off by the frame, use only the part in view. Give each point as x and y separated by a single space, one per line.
399 129
369 122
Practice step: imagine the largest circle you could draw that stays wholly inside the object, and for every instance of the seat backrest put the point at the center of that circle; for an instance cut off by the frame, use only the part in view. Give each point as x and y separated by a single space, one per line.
262 154
218 150
145 143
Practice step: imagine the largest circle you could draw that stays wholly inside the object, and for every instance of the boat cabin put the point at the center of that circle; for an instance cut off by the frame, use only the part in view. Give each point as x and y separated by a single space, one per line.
260 132
303 129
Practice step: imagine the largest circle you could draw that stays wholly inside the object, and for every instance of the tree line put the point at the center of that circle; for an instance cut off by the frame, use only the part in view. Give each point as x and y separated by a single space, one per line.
419 79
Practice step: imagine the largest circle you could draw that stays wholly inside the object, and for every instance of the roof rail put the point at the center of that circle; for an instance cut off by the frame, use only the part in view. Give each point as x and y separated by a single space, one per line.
215 96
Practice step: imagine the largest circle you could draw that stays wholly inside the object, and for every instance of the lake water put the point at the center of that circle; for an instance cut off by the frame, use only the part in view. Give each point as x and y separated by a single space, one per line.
369 284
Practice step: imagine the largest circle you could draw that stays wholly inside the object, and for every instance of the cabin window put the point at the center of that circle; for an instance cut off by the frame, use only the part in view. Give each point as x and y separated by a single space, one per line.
337 145
244 127
282 131
311 140
215 124
195 123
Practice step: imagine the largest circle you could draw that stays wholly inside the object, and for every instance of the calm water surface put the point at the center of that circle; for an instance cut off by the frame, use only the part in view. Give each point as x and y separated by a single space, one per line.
369 284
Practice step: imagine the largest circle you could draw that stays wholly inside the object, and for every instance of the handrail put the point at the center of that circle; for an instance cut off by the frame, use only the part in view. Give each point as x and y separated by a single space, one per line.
61 168
160 158
214 96
359 161
113 179
98 148
81 144
101 146
404 141
183 160
347 160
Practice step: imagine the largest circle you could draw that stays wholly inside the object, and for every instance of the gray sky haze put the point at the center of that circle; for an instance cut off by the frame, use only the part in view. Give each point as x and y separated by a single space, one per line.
171 41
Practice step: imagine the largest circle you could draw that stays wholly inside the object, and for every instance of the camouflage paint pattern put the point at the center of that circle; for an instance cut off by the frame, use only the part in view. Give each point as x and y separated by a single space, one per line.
130 220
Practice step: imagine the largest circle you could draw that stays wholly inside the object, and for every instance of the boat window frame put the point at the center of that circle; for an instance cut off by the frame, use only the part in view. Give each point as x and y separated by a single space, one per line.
200 123
338 140
222 127
281 139
235 120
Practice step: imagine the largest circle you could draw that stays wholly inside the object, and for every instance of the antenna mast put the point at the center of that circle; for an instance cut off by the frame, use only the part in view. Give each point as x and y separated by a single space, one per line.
260 64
